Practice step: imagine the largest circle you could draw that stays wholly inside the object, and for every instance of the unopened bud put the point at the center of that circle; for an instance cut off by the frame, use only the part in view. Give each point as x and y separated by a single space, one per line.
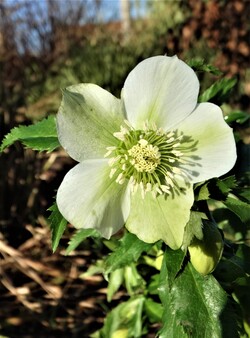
205 254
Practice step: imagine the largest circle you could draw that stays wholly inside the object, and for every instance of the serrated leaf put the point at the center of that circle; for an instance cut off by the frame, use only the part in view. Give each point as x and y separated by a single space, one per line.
240 208
57 225
79 237
192 301
203 193
129 250
227 184
201 66
40 136
125 320
174 263
193 227
218 91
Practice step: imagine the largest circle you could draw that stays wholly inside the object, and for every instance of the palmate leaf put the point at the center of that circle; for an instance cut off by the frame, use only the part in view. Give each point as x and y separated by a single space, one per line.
41 136
129 250
192 301
57 225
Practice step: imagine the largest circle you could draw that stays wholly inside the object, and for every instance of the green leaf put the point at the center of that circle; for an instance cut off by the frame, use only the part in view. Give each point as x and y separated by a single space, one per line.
220 188
193 227
79 237
203 193
237 116
129 250
133 281
192 301
174 263
227 184
40 136
219 91
153 310
57 225
201 66
115 281
125 320
241 209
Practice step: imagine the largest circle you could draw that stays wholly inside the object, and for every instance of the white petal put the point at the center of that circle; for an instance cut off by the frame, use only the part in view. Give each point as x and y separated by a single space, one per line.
162 90
162 218
87 118
88 198
216 149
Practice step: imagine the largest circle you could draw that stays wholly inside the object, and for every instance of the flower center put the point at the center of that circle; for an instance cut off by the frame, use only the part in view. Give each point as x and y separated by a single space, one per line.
150 159
144 156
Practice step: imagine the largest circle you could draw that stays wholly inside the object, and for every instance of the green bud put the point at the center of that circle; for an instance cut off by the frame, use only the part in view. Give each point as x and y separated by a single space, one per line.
206 253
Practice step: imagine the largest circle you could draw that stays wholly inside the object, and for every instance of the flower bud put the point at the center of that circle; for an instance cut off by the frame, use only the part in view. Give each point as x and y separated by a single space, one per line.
206 253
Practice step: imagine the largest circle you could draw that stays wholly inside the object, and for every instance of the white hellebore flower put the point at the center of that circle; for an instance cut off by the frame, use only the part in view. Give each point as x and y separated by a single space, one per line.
140 155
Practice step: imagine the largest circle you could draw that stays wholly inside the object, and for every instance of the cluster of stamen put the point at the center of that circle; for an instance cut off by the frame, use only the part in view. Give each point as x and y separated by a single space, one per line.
149 158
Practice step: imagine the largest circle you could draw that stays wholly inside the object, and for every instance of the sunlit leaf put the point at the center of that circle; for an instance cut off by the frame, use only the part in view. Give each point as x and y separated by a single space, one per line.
129 250
153 310
219 91
41 136
125 320
115 281
192 301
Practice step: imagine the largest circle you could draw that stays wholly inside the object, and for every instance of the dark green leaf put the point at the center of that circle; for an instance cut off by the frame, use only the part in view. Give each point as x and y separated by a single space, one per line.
228 270
201 66
57 225
79 237
241 209
219 91
40 136
129 250
227 184
192 301
174 264
219 188
237 116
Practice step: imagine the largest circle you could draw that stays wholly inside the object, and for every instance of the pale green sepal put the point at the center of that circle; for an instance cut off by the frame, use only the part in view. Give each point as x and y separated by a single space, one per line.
162 218
87 118
88 198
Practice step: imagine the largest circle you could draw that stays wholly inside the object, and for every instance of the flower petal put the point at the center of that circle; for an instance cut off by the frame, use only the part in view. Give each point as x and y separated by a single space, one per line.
152 219
162 90
216 149
88 198
87 118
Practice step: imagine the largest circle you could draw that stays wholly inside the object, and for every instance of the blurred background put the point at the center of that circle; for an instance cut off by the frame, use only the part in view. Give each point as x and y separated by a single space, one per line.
46 45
